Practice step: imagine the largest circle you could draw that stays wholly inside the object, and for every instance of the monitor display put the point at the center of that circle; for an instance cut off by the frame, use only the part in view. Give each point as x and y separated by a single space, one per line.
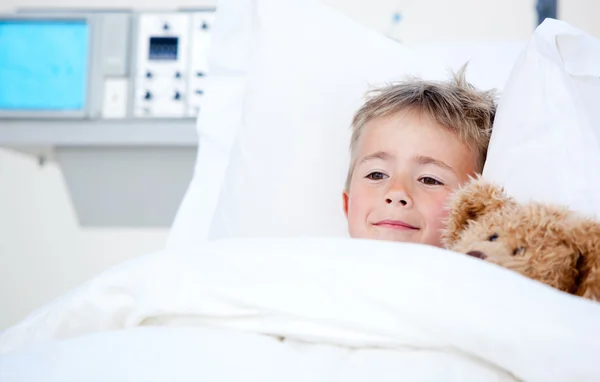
43 65
163 48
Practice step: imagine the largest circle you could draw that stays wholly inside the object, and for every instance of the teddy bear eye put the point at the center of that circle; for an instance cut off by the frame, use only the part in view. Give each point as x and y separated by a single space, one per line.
493 237
518 251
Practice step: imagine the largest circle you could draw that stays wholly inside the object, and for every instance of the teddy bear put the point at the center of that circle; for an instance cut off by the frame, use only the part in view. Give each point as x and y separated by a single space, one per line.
547 243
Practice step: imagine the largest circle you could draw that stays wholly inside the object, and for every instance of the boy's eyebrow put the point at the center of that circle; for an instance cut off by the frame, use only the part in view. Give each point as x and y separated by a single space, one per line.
423 160
383 155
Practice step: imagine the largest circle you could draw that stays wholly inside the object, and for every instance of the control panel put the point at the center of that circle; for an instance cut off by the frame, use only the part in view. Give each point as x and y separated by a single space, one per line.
104 66
200 40
163 49
109 95
171 64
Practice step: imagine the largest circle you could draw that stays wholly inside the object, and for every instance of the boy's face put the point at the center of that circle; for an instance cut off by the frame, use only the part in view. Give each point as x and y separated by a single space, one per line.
406 166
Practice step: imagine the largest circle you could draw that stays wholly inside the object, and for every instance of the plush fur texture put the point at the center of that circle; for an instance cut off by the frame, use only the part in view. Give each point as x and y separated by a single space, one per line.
547 243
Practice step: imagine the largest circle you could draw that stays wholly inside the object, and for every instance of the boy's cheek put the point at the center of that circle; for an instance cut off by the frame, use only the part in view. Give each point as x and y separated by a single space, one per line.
441 211
353 209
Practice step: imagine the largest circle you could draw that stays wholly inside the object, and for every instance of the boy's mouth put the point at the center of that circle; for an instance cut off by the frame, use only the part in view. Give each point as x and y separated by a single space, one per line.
395 224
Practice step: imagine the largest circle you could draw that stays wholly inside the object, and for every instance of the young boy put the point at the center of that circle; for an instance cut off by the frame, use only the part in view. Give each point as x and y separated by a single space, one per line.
413 143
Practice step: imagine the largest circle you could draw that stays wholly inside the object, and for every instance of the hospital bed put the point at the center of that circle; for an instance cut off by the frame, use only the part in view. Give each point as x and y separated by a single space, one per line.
248 290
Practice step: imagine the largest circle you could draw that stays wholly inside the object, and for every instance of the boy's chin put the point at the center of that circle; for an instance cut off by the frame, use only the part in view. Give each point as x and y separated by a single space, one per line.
415 237
379 233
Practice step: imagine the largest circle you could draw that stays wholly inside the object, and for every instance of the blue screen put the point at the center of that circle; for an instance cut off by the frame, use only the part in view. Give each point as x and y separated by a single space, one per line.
43 65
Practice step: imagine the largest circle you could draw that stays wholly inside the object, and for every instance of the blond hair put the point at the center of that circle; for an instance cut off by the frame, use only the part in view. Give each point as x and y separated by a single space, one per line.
456 105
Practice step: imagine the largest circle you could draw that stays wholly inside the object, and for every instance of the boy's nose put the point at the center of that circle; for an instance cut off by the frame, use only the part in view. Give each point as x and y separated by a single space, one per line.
401 201
398 197
398 192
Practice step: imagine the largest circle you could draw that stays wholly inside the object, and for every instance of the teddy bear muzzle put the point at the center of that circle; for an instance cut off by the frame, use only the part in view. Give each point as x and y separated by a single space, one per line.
477 254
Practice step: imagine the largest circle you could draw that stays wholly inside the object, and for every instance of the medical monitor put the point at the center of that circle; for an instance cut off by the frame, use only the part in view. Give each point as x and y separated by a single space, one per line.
44 66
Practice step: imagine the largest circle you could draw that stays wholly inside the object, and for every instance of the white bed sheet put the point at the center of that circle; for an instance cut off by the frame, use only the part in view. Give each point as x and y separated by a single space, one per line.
208 354
408 300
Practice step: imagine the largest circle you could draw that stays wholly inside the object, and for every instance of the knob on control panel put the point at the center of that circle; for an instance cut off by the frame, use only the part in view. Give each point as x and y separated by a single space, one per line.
177 96
148 96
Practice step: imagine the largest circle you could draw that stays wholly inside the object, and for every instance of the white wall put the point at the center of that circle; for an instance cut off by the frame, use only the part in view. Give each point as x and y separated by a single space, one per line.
423 20
443 20
584 14
113 4
43 252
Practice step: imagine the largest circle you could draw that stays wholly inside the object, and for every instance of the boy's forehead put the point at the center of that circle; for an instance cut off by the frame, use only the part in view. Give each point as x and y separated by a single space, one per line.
412 135
405 128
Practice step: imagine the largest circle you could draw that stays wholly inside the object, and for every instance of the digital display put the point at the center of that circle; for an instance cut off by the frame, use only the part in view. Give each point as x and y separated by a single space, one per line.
43 65
163 48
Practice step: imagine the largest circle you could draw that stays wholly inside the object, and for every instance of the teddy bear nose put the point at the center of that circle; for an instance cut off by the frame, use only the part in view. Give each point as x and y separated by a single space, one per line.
478 254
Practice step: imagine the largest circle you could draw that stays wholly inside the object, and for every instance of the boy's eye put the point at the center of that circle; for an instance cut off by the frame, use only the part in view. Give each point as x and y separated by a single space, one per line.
376 175
430 181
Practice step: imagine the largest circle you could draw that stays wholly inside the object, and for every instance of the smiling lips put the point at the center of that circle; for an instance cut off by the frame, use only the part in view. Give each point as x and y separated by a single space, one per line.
395 224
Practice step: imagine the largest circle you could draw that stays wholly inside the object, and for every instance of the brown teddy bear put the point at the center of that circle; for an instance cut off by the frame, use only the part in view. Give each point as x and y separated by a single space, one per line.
544 242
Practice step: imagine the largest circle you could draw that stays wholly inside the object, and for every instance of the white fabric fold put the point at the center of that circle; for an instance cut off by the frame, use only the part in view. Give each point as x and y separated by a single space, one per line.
344 292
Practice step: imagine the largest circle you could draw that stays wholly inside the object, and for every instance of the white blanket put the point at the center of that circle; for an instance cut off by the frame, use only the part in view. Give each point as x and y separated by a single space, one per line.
342 292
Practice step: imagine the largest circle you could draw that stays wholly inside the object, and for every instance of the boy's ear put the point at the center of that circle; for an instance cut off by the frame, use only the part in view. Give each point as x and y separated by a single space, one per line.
585 236
469 203
346 201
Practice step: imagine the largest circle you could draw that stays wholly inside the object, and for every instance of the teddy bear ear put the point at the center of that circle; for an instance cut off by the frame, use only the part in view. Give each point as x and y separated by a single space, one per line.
585 236
475 199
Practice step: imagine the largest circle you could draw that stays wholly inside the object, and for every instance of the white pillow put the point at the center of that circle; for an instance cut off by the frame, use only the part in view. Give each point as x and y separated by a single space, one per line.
310 69
546 140
217 121
490 62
